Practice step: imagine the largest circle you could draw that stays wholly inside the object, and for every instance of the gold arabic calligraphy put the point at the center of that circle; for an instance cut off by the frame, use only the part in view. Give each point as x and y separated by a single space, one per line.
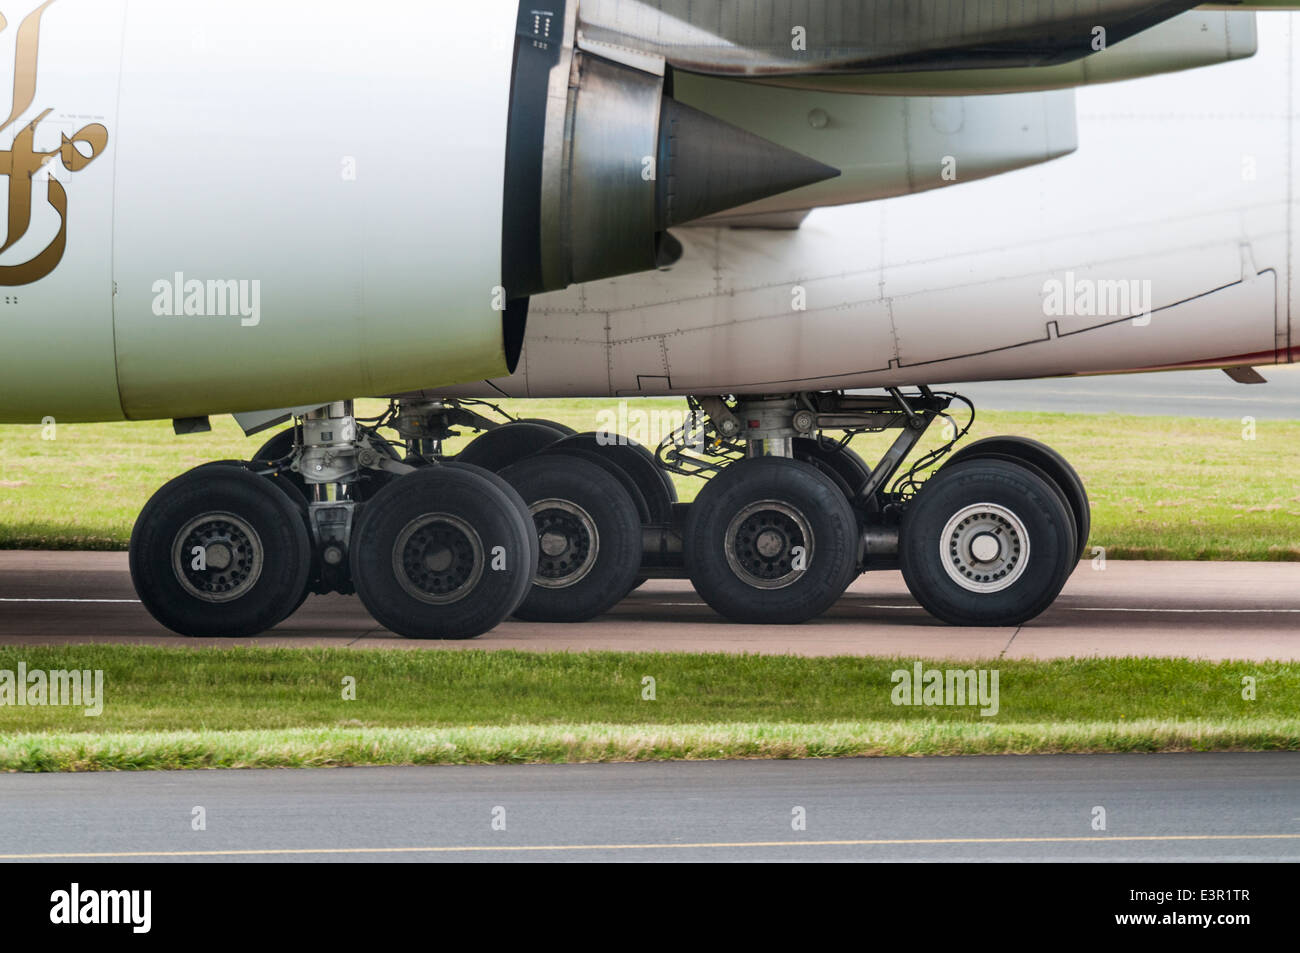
22 161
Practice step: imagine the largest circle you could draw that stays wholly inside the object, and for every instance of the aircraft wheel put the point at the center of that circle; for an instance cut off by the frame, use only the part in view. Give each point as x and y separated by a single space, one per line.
553 424
986 542
516 500
605 463
649 481
1041 474
840 463
1055 466
442 553
496 449
589 533
771 539
220 552
653 484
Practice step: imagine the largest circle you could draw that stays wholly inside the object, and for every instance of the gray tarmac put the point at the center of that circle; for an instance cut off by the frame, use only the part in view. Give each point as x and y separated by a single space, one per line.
1208 393
1174 807
1210 610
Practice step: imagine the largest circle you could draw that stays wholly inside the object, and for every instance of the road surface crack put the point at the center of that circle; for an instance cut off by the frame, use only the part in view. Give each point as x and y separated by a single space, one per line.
1003 653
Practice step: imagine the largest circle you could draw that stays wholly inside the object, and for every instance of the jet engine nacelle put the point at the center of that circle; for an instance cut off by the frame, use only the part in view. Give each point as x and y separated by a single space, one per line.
233 206
741 38
240 205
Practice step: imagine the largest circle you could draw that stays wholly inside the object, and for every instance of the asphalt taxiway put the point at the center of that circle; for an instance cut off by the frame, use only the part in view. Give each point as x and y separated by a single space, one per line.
1207 393
1203 610
1175 807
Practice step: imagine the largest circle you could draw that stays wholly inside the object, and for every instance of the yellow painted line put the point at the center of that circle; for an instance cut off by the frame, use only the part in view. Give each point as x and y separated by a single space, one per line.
695 846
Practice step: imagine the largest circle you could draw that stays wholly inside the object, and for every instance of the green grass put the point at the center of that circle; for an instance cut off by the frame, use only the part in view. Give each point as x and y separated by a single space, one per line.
174 708
1161 487
586 743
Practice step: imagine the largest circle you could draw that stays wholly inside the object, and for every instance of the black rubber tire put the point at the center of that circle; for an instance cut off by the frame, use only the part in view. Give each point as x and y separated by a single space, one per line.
840 463
606 462
496 449
268 510
299 501
520 507
369 482
1051 462
599 494
553 424
470 497
832 563
1039 505
650 479
603 461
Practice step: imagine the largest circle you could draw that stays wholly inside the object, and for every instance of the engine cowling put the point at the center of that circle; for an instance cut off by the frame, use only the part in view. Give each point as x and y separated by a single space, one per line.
602 161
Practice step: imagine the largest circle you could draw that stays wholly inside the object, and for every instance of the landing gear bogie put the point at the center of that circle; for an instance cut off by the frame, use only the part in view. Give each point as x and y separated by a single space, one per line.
535 520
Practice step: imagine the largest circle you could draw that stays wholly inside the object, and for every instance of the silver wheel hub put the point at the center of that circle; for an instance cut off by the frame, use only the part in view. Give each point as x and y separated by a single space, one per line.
769 544
984 547
568 540
217 557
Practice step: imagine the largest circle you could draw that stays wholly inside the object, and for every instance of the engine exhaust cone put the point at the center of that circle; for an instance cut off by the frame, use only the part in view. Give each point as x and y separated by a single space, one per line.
708 166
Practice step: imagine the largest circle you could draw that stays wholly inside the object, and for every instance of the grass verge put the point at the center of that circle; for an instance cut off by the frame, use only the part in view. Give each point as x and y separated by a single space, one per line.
589 743
274 707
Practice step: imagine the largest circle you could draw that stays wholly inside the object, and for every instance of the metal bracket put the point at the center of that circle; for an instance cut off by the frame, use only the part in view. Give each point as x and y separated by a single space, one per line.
1245 374
724 421
918 420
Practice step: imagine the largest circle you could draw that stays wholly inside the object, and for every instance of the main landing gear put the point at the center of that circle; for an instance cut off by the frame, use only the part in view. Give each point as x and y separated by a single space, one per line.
534 520
989 539
442 550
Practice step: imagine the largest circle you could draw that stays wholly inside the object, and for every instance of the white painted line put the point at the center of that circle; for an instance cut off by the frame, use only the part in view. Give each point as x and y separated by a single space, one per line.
1191 611
1059 608
129 601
